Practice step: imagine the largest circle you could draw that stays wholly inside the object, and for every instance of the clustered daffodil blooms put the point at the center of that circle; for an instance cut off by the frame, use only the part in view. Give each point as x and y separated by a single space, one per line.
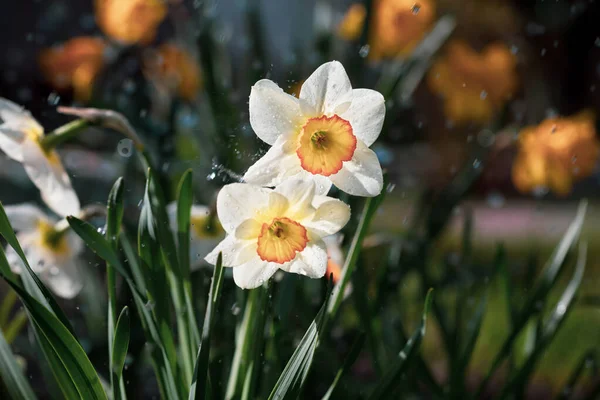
130 21
397 26
556 153
74 64
22 139
205 231
51 249
276 229
324 135
474 86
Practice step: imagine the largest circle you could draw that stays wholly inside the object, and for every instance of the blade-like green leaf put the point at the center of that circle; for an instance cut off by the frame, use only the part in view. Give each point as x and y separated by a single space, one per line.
119 347
114 215
371 205
292 379
11 375
100 246
348 362
63 347
550 327
184 207
588 361
31 282
199 386
391 379
539 292
472 333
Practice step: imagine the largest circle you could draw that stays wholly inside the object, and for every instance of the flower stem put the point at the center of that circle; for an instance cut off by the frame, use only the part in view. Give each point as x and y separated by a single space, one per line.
63 133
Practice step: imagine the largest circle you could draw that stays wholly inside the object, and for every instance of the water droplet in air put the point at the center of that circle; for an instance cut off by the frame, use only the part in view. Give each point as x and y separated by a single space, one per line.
53 98
364 51
416 8
483 95
125 147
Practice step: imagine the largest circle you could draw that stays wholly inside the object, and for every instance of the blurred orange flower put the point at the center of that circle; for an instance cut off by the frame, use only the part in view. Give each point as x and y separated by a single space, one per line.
178 70
397 27
74 64
130 21
474 85
556 153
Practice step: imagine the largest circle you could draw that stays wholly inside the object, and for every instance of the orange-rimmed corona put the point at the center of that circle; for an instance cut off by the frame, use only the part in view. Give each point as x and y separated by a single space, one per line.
324 144
280 240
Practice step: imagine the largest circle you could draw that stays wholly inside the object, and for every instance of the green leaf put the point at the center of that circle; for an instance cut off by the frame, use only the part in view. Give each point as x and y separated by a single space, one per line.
31 282
539 292
391 379
119 347
199 386
472 333
588 361
184 207
114 217
245 342
163 363
11 375
355 350
292 379
63 351
371 205
550 327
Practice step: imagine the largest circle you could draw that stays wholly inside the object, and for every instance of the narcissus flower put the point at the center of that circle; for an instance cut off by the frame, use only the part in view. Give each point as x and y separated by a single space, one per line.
205 232
177 70
556 153
276 229
474 86
51 249
21 139
74 64
324 135
397 26
130 21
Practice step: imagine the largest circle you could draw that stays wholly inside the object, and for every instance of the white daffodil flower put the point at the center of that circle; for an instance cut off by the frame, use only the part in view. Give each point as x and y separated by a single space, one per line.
205 232
51 248
21 139
323 135
273 229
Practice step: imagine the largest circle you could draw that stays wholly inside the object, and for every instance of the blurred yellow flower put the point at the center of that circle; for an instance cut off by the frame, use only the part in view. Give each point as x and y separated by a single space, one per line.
556 153
179 70
474 85
397 26
130 21
74 64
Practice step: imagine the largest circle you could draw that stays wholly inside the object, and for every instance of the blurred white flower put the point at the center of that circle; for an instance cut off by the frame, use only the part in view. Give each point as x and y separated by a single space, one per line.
273 229
205 233
323 135
21 139
51 248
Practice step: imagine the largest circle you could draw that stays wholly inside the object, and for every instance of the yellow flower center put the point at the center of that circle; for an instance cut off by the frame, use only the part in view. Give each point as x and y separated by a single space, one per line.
324 144
206 227
280 240
52 239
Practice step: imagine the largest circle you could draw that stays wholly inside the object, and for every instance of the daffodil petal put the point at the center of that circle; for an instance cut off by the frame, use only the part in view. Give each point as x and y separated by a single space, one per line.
15 123
254 273
24 217
366 114
362 176
235 252
51 179
65 280
329 218
299 193
311 262
272 111
327 90
238 202
274 167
